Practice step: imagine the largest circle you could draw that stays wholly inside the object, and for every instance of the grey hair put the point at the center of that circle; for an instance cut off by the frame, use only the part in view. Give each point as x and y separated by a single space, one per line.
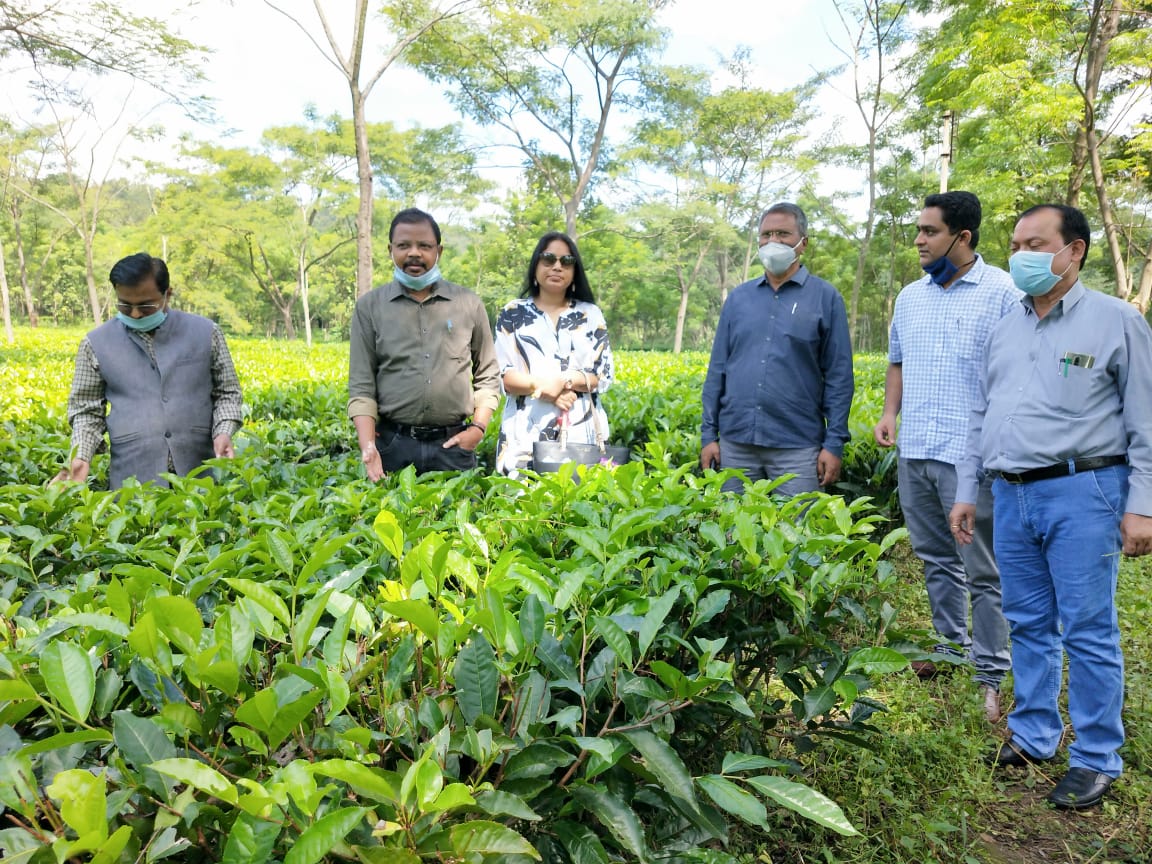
791 210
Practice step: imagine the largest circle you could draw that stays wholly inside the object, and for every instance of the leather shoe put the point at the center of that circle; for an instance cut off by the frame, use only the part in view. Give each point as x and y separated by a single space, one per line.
1080 789
1013 756
991 698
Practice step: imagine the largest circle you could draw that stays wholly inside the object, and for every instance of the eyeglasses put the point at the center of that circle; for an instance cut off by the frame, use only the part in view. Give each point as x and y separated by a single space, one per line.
142 308
549 259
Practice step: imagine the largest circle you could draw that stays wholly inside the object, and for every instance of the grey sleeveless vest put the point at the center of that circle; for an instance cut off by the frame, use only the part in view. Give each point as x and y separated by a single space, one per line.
157 408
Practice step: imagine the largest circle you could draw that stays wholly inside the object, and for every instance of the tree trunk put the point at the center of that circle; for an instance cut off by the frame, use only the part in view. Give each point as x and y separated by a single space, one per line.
1144 290
1103 25
722 267
570 208
5 302
1111 230
289 327
302 278
866 243
1099 40
364 213
681 314
90 277
22 265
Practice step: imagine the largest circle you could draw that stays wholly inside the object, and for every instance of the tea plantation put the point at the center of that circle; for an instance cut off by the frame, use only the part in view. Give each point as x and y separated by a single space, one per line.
287 663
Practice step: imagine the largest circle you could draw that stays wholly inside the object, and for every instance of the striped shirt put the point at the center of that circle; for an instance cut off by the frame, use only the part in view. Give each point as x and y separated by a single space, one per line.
938 337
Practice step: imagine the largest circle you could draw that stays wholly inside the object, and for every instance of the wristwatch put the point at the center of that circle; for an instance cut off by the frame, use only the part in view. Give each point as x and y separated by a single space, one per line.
568 381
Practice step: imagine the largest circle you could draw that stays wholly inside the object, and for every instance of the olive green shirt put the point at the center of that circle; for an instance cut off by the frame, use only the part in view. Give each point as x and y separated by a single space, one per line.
428 363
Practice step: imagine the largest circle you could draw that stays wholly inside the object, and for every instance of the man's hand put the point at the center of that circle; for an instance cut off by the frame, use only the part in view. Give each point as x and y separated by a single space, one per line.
710 455
77 472
222 447
1136 535
469 439
962 522
827 468
885 431
370 456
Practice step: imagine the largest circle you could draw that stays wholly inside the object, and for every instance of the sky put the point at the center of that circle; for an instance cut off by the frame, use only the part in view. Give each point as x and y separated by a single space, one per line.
264 71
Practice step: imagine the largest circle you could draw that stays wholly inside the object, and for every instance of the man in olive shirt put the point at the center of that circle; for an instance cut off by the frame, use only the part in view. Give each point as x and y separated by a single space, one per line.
422 374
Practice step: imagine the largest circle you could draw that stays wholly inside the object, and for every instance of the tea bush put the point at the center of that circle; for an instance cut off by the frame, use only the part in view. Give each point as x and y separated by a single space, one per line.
292 664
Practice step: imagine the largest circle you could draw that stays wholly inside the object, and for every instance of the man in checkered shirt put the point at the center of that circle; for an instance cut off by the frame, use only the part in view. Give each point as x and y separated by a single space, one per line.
939 327
159 382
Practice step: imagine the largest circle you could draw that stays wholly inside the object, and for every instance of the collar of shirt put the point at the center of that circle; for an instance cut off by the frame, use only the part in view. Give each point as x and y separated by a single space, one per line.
798 279
1063 305
394 290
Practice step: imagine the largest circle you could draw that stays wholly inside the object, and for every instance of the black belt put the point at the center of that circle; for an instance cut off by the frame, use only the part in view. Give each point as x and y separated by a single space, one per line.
1061 469
421 433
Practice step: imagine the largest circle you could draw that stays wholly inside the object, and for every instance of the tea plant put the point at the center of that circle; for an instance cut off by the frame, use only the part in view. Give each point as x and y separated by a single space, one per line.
292 664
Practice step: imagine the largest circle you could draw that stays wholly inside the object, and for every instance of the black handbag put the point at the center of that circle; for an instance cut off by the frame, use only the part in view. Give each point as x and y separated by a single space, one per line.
548 456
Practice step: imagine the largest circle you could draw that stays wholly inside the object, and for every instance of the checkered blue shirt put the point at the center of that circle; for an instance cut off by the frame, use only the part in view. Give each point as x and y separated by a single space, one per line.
938 338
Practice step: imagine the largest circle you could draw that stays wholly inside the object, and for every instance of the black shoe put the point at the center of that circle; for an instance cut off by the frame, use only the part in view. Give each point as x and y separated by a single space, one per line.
1080 789
1012 755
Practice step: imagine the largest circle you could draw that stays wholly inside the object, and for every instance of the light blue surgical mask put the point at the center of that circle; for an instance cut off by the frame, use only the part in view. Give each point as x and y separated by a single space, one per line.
143 325
1032 271
417 283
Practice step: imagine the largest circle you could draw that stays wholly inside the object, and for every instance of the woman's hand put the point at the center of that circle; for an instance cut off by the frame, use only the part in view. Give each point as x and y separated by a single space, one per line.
552 387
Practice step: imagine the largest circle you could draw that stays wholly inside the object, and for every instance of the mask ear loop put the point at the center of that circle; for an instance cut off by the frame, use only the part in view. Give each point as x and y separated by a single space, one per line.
1070 262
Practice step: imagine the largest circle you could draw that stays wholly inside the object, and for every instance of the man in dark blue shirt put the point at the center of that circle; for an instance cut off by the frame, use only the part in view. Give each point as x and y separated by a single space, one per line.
779 384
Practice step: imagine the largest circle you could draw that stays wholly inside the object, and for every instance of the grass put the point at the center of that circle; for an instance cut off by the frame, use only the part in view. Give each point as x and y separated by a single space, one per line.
922 793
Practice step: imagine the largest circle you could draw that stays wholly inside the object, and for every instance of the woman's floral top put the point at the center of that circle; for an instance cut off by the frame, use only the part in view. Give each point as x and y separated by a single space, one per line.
527 342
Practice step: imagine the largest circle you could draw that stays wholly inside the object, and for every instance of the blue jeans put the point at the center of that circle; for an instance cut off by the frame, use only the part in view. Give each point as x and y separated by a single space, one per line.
1058 546
956 577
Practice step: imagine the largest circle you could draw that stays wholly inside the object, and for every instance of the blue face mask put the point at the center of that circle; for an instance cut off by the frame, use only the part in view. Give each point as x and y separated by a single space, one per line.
143 325
417 283
942 269
1032 271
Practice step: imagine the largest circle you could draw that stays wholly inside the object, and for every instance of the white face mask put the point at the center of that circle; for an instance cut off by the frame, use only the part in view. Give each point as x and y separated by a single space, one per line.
778 257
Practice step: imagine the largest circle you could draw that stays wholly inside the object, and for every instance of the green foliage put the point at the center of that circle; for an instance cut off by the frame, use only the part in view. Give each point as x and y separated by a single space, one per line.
290 663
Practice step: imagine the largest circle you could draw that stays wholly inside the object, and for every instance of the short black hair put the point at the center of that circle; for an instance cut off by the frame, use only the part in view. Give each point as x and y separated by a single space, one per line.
789 209
579 289
131 271
960 211
413 216
1073 226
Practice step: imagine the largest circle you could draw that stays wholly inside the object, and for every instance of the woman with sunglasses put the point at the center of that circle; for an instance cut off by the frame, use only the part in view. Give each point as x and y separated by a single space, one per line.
553 353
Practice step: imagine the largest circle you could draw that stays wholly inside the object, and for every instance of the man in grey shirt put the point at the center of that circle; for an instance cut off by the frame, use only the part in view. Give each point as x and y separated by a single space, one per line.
422 377
1063 422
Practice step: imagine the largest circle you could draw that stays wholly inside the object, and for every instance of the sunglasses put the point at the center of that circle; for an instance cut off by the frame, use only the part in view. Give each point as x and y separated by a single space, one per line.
142 308
549 259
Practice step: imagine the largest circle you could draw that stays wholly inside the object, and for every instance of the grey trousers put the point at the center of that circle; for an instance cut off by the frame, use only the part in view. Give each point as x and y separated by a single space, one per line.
956 576
768 463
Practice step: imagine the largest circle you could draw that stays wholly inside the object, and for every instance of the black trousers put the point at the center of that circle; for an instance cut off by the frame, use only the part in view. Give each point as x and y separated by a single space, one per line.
399 451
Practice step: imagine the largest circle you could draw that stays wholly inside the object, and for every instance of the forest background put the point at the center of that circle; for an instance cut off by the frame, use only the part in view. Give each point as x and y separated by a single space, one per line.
660 169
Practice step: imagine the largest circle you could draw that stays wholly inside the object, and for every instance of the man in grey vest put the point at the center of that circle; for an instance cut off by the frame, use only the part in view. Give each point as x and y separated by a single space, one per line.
159 382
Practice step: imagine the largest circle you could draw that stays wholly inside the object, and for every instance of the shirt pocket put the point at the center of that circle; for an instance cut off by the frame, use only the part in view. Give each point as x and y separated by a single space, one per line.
458 344
1072 389
967 338
801 327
